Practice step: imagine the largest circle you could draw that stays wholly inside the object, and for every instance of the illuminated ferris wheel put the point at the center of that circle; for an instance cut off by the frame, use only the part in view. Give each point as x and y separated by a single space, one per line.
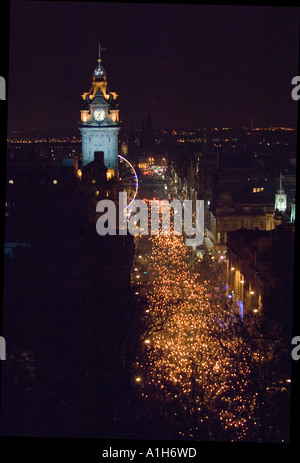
129 180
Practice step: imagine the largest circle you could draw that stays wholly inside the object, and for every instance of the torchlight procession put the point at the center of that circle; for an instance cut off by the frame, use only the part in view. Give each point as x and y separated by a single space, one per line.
203 370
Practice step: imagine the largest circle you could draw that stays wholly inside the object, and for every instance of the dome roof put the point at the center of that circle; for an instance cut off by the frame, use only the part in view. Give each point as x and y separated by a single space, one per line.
99 70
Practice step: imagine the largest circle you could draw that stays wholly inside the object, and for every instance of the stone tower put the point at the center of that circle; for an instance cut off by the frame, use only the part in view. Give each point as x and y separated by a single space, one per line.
99 125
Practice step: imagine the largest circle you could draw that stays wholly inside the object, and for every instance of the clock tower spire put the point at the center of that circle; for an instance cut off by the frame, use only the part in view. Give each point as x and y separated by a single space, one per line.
99 125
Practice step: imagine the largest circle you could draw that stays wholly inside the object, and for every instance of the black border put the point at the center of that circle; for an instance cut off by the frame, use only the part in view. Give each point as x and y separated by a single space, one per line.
35 448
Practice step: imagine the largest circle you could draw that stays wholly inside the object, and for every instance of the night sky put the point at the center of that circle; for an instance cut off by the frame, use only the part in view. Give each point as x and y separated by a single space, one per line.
192 65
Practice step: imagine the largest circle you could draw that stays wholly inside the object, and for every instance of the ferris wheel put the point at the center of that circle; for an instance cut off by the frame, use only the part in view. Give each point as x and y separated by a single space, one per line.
129 180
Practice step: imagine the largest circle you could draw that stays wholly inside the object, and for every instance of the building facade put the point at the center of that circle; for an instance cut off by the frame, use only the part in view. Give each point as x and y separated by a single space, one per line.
230 216
256 274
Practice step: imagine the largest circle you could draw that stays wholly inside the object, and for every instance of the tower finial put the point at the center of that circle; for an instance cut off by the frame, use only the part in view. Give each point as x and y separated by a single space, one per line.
280 181
99 52
99 71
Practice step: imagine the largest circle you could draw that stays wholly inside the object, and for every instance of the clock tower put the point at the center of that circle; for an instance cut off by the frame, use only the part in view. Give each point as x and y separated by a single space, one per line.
99 125
280 198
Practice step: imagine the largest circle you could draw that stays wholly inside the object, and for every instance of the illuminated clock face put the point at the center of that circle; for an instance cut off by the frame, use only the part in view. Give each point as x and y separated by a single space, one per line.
99 115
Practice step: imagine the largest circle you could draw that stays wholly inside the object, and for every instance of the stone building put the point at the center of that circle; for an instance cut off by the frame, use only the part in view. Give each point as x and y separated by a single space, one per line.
259 275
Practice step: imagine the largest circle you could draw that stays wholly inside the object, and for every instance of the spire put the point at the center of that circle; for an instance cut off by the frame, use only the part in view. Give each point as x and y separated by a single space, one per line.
99 70
99 52
280 182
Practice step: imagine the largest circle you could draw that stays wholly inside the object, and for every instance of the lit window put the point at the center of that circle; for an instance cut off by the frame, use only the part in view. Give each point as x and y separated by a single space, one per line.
109 174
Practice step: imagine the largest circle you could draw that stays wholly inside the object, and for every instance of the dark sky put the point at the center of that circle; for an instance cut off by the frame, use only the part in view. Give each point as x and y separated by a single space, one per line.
193 65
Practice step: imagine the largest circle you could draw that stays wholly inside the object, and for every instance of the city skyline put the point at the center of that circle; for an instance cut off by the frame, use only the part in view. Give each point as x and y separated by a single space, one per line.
192 66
